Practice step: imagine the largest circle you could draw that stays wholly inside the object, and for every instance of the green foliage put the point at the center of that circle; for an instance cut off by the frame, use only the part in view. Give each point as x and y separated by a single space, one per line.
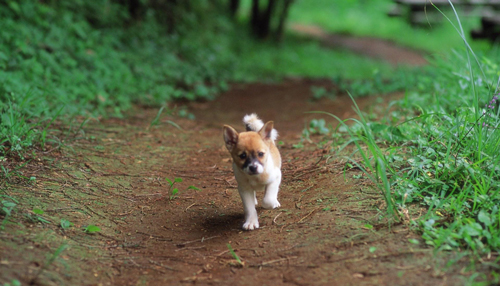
315 127
381 82
14 282
91 229
368 156
62 59
7 205
182 112
66 224
36 216
441 147
299 57
321 92
174 191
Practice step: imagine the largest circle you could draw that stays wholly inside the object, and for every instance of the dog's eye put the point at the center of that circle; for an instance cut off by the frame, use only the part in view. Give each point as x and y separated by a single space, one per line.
243 155
261 154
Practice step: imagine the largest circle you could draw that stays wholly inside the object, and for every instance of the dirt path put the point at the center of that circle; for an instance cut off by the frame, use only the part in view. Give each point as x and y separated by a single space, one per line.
330 230
371 47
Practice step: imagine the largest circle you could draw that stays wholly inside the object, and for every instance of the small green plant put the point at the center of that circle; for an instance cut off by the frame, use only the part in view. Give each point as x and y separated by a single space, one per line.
413 241
174 191
7 206
182 112
49 262
318 126
91 229
235 256
156 120
66 224
13 282
321 92
315 127
32 180
5 172
36 216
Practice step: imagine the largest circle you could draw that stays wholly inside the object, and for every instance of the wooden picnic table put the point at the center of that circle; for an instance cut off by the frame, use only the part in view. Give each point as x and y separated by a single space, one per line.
421 3
490 27
417 6
419 12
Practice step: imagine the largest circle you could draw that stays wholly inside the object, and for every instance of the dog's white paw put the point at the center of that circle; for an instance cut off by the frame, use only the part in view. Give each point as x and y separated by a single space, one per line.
270 204
251 224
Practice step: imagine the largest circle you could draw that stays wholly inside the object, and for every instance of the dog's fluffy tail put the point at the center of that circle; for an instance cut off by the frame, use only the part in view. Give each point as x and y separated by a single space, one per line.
253 123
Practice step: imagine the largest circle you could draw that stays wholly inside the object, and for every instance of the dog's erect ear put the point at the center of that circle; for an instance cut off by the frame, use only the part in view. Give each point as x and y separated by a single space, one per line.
230 137
265 132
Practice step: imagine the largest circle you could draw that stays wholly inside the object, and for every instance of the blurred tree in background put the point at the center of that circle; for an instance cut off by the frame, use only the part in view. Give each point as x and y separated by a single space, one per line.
267 19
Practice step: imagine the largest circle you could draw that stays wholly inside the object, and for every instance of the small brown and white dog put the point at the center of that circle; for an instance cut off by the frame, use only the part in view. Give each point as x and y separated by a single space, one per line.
256 165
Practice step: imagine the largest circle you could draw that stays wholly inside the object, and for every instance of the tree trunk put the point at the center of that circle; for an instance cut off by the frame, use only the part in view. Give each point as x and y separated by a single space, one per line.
254 19
269 21
233 7
265 21
282 20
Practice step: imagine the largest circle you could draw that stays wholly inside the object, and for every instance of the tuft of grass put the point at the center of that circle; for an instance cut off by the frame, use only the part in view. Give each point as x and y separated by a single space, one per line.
49 262
240 263
372 161
7 205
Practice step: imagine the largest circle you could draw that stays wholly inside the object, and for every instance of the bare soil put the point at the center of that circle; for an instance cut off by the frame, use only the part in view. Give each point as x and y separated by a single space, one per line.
331 228
368 46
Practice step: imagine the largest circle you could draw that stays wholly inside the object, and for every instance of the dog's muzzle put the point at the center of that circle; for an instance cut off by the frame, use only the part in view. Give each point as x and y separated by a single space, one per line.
255 169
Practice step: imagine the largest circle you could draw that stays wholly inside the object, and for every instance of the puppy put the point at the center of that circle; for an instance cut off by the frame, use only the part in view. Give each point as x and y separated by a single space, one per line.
256 165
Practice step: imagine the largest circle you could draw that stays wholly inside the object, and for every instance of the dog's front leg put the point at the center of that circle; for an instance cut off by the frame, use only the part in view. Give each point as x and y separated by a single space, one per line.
251 218
270 200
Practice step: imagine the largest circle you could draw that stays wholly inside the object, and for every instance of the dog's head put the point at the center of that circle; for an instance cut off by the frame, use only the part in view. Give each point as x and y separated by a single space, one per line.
250 150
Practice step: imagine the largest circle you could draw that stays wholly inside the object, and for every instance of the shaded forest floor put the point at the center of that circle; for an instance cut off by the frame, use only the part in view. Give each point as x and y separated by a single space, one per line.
330 229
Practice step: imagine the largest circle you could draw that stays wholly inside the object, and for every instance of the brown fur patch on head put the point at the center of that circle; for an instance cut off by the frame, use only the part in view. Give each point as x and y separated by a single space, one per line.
252 146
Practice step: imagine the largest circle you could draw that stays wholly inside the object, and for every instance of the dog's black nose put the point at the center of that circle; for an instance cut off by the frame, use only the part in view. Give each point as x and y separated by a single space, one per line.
253 168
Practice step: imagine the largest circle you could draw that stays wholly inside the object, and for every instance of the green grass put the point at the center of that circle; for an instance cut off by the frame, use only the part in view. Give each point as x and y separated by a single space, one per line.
301 57
439 147
452 162
63 60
